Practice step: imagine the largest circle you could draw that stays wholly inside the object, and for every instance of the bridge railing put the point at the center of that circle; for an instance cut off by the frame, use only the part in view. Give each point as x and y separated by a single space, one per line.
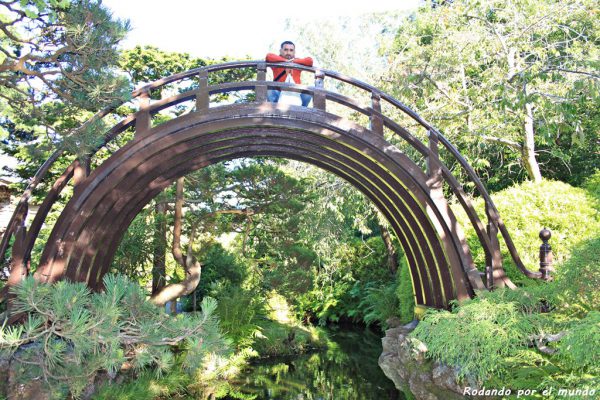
200 91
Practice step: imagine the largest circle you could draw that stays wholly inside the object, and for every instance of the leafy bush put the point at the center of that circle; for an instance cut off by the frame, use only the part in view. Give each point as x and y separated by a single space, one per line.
218 265
342 288
70 334
578 279
239 311
580 348
380 303
476 337
592 185
572 214
494 336
146 386
405 293
562 317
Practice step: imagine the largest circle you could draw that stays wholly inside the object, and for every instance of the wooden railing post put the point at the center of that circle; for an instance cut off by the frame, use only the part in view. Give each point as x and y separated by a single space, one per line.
261 85
319 99
18 269
494 270
81 171
434 166
202 97
376 120
142 120
546 257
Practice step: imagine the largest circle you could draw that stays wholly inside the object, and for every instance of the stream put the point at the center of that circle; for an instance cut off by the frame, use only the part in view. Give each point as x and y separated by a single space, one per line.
347 369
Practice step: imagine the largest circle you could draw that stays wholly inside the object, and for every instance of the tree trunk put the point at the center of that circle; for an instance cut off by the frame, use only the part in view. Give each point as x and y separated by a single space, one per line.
185 287
392 256
468 117
160 249
192 267
528 149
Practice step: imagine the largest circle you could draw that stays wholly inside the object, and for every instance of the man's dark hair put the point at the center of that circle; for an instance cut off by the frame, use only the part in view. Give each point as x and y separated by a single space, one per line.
287 42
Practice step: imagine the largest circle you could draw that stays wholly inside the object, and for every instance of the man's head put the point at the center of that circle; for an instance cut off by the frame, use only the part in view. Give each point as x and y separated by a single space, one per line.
287 50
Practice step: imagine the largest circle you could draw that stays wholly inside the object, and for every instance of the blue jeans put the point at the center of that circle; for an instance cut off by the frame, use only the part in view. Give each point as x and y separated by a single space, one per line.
273 97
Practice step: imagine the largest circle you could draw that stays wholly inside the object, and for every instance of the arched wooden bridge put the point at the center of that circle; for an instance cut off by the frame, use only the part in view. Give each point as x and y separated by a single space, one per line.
408 191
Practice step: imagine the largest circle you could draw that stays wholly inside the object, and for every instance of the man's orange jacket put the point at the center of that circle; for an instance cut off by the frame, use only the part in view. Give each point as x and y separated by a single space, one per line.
295 72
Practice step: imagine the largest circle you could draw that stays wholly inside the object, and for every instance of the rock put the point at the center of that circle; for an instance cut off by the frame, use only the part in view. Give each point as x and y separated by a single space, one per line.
445 377
4 371
34 389
404 361
393 322
411 325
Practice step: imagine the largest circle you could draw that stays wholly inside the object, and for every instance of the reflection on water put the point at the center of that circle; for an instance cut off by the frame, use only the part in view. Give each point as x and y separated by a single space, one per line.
346 370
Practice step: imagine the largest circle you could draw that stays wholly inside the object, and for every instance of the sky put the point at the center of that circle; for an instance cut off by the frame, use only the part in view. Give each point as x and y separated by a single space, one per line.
237 28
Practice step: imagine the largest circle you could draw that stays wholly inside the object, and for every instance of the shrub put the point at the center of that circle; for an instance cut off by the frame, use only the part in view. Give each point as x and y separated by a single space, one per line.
342 288
572 214
405 293
146 386
578 279
580 347
495 337
239 311
218 265
70 334
476 337
380 303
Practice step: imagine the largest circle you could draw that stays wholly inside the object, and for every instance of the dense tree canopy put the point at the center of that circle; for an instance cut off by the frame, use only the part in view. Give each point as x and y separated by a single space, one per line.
57 64
511 83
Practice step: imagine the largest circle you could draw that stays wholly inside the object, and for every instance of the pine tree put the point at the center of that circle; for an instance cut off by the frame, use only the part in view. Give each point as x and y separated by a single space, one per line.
57 60
70 334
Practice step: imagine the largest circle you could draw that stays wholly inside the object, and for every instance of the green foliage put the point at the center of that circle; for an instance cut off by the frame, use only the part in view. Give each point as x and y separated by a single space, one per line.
592 185
473 67
146 386
578 279
70 334
562 316
580 348
381 303
66 73
526 209
218 265
134 254
239 311
476 337
405 293
284 339
351 285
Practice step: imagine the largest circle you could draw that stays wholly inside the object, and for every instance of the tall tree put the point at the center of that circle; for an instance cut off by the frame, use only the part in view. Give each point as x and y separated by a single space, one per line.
504 73
57 60
191 266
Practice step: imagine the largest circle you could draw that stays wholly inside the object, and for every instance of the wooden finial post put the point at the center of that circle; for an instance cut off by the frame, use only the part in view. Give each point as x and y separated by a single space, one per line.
546 257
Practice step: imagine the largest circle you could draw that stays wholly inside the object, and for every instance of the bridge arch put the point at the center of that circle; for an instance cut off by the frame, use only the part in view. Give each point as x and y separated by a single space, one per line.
88 231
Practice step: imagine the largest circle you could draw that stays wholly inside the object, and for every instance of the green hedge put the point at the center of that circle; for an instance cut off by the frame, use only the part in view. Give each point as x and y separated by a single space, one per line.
572 214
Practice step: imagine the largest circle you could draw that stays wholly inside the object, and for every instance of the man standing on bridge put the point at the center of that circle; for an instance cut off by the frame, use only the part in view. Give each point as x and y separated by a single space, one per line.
287 53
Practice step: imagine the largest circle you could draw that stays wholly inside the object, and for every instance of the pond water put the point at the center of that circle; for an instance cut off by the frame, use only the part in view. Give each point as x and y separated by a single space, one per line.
348 369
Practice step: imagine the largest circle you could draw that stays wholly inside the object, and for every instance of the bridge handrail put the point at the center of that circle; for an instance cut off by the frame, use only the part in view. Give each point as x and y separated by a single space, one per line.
434 135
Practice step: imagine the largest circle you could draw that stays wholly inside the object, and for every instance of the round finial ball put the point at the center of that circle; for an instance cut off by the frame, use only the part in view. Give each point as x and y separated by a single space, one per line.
545 234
